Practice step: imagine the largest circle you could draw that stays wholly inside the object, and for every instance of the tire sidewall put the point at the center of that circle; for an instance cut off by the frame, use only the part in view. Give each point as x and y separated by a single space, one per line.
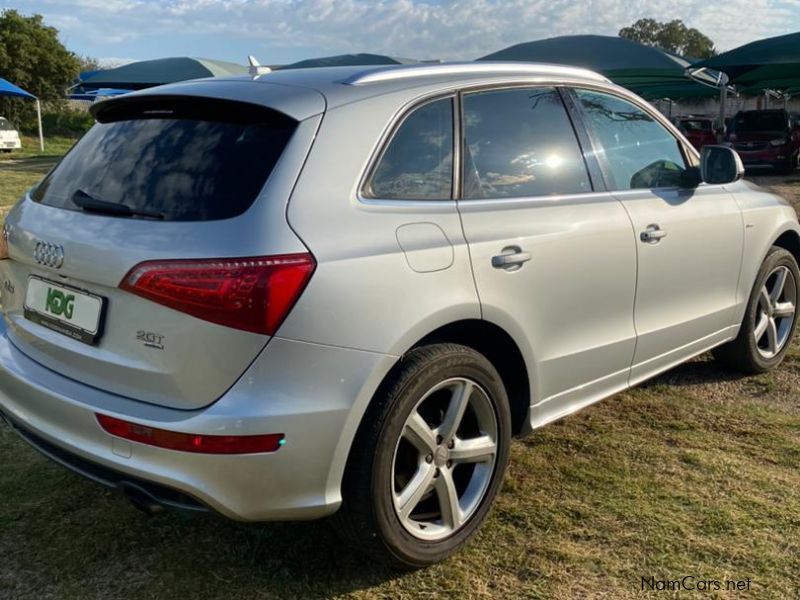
399 542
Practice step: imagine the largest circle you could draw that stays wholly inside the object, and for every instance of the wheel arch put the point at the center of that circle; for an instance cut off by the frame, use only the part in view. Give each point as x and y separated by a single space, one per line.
789 240
502 351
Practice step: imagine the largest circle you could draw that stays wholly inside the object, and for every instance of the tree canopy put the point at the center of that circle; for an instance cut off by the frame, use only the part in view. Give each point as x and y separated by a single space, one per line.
672 36
32 56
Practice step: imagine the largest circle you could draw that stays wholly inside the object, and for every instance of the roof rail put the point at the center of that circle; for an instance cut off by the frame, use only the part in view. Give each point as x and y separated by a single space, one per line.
392 73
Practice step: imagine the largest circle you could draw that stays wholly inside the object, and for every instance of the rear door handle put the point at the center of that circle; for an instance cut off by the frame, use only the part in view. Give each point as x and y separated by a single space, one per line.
511 259
653 234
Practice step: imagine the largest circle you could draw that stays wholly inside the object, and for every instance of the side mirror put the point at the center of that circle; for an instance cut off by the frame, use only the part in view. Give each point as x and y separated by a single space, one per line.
720 164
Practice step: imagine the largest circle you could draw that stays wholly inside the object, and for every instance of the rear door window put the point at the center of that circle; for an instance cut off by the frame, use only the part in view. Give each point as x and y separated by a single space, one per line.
418 162
639 152
174 159
5 125
520 143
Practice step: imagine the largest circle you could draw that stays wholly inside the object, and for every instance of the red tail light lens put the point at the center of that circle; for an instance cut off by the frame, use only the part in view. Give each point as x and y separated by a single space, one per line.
191 442
252 294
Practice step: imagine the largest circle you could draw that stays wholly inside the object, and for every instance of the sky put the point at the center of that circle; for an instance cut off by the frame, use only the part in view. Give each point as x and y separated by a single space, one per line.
282 31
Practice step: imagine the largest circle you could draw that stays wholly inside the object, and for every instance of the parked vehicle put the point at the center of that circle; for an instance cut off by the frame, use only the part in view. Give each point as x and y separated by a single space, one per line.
345 290
9 136
766 138
698 130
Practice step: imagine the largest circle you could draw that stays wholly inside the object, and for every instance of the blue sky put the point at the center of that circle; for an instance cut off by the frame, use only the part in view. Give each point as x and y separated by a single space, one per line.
279 31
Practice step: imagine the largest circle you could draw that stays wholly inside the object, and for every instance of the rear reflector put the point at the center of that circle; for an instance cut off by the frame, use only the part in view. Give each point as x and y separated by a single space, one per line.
252 294
191 442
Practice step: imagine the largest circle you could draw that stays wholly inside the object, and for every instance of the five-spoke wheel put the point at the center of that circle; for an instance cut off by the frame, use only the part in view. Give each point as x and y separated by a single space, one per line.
770 319
444 459
429 458
777 304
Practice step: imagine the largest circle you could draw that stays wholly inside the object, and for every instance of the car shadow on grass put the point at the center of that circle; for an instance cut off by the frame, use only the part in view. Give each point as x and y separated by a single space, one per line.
703 370
87 541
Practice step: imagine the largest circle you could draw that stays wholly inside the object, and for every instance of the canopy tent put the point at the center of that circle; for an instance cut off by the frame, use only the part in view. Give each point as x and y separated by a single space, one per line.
770 59
9 89
344 60
643 69
150 73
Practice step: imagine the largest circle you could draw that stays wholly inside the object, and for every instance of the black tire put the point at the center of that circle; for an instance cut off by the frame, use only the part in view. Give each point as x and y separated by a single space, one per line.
742 354
368 519
788 166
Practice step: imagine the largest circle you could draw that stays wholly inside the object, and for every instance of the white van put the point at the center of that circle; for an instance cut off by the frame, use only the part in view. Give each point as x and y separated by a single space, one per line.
9 136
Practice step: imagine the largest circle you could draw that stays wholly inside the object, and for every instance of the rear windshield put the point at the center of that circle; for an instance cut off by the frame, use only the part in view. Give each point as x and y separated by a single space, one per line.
5 125
172 159
755 122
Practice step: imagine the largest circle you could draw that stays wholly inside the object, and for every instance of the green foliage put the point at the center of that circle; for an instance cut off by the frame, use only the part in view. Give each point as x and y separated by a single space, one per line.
673 37
67 122
32 57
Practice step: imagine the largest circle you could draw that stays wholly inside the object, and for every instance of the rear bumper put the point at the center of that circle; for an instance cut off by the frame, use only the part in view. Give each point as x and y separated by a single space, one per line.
313 394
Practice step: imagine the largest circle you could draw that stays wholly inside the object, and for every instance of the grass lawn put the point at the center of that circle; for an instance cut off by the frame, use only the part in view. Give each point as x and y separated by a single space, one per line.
20 170
695 473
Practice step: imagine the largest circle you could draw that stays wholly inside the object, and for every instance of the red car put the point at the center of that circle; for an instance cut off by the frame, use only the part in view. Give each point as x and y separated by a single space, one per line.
766 138
698 130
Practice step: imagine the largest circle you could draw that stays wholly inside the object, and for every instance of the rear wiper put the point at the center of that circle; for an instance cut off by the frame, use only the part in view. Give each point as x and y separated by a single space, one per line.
91 204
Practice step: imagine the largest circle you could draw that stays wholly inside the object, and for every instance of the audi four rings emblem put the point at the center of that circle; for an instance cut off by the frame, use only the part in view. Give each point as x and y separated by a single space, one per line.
48 255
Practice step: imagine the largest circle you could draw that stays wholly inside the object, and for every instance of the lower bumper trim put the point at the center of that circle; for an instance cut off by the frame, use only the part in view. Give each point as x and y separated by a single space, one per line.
159 494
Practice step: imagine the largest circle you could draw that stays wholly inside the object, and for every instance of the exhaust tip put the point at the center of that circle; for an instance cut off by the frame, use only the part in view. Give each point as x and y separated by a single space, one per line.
140 499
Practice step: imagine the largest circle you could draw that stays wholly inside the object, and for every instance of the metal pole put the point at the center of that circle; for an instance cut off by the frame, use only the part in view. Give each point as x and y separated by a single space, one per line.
39 117
723 97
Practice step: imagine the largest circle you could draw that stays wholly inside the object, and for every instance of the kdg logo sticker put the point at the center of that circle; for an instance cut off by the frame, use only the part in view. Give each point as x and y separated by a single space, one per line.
59 303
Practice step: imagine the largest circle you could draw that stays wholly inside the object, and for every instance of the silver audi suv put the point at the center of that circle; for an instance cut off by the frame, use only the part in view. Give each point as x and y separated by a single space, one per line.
345 290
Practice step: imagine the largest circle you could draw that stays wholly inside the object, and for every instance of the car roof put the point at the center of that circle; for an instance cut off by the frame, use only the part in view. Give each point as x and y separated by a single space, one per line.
301 93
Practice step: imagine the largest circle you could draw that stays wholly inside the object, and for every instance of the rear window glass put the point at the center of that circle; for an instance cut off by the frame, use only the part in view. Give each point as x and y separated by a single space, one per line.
418 163
696 125
5 125
172 159
756 122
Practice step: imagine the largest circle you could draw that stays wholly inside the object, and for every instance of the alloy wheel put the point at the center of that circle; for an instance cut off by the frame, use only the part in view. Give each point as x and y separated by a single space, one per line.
444 459
777 305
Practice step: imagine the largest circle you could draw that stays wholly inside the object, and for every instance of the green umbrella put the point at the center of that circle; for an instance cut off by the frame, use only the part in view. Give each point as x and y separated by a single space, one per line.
343 60
772 59
149 73
645 70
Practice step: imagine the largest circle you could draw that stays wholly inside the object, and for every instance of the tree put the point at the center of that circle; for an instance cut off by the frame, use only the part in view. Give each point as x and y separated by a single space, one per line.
672 36
32 57
89 63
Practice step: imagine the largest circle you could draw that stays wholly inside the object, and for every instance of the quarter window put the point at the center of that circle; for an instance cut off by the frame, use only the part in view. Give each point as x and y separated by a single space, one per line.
418 162
519 143
638 151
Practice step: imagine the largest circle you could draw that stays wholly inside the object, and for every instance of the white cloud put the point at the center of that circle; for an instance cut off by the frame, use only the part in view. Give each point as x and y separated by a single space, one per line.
456 29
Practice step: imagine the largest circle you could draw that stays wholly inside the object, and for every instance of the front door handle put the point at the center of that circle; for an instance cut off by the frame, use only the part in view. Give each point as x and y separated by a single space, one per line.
653 234
511 259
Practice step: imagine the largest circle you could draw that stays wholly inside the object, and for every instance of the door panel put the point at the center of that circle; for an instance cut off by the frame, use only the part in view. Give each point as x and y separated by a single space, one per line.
687 280
554 263
689 238
573 301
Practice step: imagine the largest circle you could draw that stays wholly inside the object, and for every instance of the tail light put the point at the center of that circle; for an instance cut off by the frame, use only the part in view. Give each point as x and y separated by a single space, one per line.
191 442
251 294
